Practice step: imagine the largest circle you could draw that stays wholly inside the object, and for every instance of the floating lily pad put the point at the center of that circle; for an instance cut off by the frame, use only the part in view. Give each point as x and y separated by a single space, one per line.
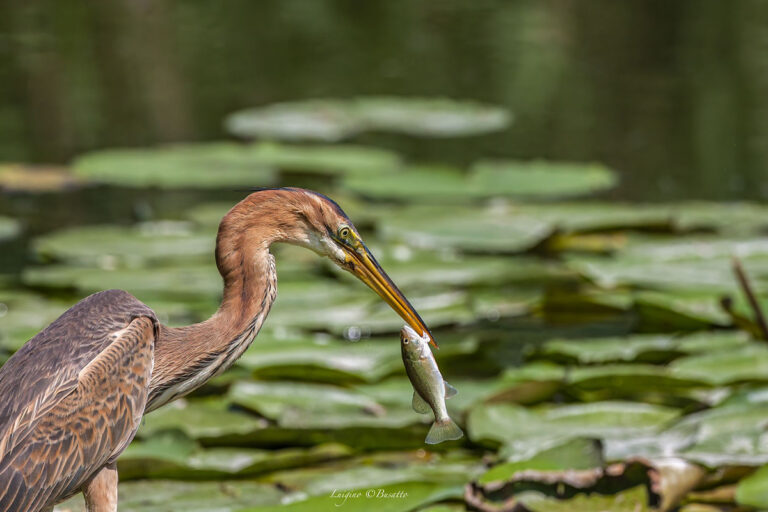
172 455
333 120
731 218
210 165
539 178
470 230
36 178
188 281
748 363
163 496
576 453
526 431
401 497
661 310
309 405
688 264
753 490
23 315
632 500
9 228
110 247
322 360
649 348
327 160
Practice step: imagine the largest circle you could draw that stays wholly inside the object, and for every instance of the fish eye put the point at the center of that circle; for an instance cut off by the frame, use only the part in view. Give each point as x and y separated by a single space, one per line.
406 341
344 232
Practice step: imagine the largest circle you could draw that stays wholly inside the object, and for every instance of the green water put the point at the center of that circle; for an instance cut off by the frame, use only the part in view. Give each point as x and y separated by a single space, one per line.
671 94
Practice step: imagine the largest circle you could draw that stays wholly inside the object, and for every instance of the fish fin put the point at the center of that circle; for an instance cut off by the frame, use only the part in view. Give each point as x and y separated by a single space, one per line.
419 404
443 430
450 390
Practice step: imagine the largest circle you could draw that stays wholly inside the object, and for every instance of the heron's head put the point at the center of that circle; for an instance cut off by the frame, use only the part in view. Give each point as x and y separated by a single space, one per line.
315 221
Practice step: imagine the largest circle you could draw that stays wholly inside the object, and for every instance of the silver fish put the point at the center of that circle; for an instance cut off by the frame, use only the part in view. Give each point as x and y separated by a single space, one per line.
430 390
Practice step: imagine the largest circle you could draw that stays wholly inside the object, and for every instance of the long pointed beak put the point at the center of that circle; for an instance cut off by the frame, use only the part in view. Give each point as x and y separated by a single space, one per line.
362 264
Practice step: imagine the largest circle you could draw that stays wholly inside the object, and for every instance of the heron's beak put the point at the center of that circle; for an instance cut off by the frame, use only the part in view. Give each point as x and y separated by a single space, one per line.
362 264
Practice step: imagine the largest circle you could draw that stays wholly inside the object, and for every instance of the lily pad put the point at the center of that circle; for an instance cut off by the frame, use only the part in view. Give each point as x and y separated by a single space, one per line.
210 165
333 120
632 500
110 247
526 431
470 230
579 453
173 456
539 178
748 363
401 497
322 360
22 315
326 160
9 228
753 490
182 281
310 405
163 496
655 348
36 178
687 264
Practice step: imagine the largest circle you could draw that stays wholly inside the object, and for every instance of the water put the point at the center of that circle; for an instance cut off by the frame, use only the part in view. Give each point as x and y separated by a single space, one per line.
672 94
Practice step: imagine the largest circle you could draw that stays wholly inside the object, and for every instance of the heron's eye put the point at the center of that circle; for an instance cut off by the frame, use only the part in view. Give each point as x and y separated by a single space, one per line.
344 233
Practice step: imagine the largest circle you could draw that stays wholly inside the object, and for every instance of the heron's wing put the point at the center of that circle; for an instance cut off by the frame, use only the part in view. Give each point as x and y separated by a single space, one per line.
54 455
46 368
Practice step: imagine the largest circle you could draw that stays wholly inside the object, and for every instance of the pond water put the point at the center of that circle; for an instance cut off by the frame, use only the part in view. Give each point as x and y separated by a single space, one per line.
671 94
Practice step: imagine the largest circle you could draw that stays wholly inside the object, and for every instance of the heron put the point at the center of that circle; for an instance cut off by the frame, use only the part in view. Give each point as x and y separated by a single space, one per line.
72 397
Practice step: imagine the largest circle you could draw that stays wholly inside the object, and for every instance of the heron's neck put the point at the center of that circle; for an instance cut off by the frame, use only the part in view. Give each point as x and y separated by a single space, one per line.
186 357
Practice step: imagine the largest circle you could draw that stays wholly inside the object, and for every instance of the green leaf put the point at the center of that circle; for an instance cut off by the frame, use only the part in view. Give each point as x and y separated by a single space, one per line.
9 228
638 348
326 160
578 453
114 246
632 500
163 496
209 165
525 430
539 178
748 363
333 120
753 490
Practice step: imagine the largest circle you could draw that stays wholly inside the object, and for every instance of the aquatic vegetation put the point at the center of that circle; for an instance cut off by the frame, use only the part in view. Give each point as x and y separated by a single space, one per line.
591 340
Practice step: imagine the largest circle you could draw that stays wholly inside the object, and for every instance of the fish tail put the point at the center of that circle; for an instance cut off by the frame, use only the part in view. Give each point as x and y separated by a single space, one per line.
443 430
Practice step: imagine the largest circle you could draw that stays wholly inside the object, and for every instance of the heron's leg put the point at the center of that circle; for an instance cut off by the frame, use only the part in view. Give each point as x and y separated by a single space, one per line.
101 491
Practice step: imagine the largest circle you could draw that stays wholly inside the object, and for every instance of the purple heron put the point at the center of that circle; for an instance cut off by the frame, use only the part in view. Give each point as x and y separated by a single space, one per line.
73 396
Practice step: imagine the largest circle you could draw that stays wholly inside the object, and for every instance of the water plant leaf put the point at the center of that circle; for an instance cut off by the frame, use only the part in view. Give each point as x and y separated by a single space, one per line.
539 178
748 363
333 120
156 495
467 229
577 453
753 490
325 160
9 228
209 165
655 348
113 246
19 177
526 430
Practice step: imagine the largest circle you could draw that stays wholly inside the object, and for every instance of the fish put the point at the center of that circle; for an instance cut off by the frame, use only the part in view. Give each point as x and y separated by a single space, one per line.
429 388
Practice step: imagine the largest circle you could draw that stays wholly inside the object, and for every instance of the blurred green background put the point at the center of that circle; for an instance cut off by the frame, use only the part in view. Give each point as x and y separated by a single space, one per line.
559 187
